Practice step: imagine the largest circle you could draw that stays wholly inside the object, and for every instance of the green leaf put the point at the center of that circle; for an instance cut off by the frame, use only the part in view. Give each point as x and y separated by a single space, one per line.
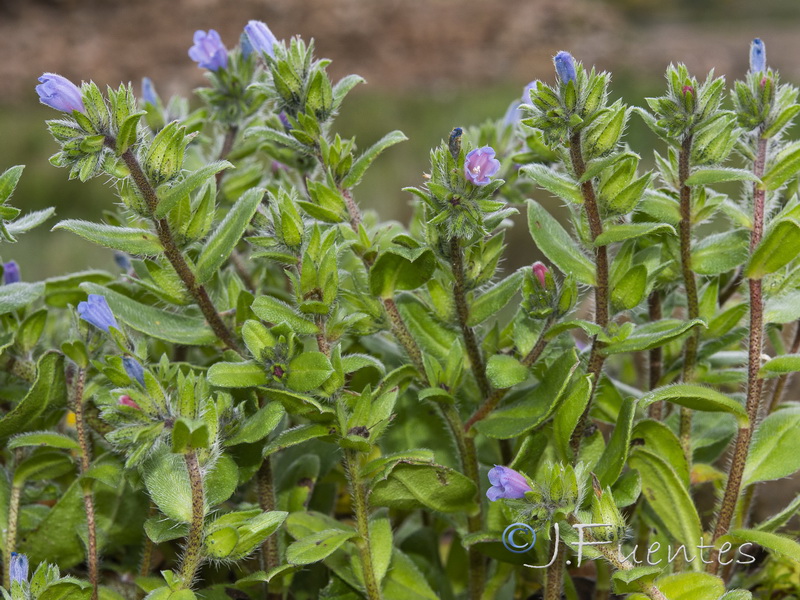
308 371
668 497
780 365
131 240
555 183
630 231
152 321
786 166
430 334
652 335
691 586
558 246
777 309
399 268
14 296
317 546
43 405
697 397
505 371
777 249
228 233
569 413
660 440
630 580
365 160
275 311
775 451
405 581
721 175
491 301
410 486
380 537
777 544
536 407
258 426
56 538
169 197
294 436
29 221
721 252
8 182
630 289
48 464
43 438
236 375
612 461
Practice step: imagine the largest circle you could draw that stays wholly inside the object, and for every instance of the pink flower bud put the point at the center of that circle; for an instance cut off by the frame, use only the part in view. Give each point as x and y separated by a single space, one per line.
128 401
540 271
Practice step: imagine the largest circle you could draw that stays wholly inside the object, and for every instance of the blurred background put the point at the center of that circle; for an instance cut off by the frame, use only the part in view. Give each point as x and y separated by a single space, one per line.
430 65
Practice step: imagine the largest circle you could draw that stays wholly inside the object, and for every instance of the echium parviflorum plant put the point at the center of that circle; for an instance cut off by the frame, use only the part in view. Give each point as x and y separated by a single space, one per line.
277 395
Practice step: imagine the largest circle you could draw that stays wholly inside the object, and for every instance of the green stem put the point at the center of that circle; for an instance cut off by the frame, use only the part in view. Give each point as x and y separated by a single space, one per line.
601 289
462 311
361 510
147 550
690 285
754 383
193 552
656 410
77 379
11 532
266 500
173 252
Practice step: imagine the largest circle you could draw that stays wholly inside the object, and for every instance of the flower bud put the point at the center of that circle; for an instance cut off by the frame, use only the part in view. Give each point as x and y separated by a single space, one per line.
149 92
540 271
568 296
133 368
480 165
208 50
454 143
506 483
565 67
605 512
538 291
758 56
128 401
18 568
60 93
11 272
97 312
260 37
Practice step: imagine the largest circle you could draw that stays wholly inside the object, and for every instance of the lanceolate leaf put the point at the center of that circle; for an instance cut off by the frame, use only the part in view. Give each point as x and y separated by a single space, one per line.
170 196
14 296
709 176
775 543
555 183
777 249
612 461
775 452
557 245
125 239
780 365
697 397
629 231
652 335
491 301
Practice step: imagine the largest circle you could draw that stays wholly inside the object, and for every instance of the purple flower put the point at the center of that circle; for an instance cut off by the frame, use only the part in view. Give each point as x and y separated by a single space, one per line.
11 273
149 92
208 50
96 311
260 37
133 368
565 66
60 93
480 164
18 567
541 272
513 113
506 483
758 56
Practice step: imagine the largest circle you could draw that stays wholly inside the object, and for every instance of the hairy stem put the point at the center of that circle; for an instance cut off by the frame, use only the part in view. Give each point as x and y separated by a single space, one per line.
690 285
462 310
193 552
754 383
596 358
493 400
656 410
361 510
554 578
266 500
11 532
173 252
77 380
149 546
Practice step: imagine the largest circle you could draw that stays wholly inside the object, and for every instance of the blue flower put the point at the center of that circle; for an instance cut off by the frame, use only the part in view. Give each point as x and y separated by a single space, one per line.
96 311
260 37
60 93
506 483
758 56
208 50
565 67
133 368
18 569
480 164
11 273
149 92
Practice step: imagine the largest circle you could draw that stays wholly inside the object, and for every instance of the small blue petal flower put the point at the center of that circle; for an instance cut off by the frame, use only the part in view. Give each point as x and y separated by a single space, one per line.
122 260
513 113
133 368
506 483
11 273
208 50
18 569
149 91
758 56
480 164
245 45
96 311
565 67
260 37
60 93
